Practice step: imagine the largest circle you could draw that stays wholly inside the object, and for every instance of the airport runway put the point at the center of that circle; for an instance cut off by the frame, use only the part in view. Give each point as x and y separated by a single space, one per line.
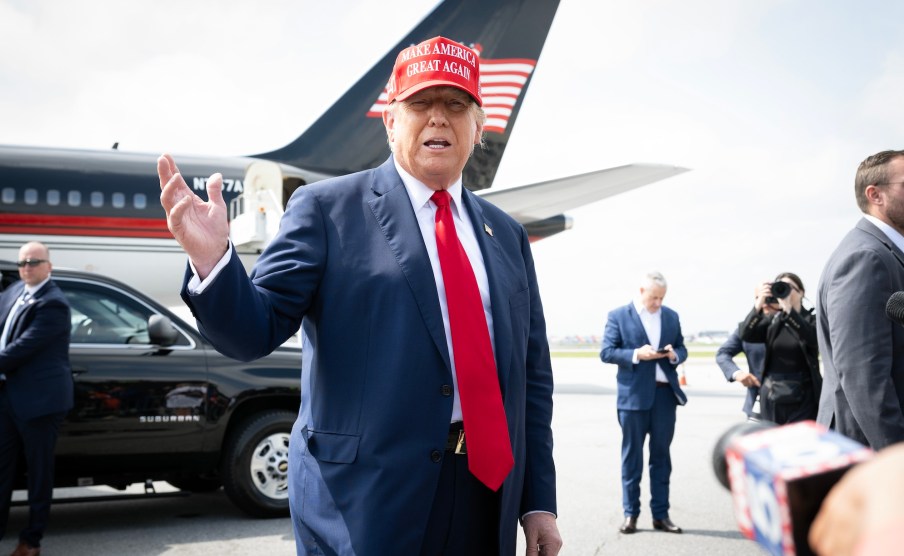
587 456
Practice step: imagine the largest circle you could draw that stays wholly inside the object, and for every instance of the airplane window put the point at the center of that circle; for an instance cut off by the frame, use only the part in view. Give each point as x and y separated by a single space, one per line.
140 200
97 199
53 197
118 200
8 195
31 196
74 198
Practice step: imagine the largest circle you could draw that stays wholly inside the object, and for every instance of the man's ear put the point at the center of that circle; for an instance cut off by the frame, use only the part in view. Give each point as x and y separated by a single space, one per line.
389 124
478 133
873 195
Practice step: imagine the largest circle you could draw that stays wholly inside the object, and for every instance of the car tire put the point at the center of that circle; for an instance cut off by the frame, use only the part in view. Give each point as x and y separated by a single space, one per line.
256 464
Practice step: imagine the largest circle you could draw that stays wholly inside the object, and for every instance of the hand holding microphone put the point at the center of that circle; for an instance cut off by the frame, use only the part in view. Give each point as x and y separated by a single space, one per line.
779 476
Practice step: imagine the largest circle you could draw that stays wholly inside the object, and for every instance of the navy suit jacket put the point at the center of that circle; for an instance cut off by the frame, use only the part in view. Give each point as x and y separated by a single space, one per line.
755 353
862 349
350 266
36 358
637 383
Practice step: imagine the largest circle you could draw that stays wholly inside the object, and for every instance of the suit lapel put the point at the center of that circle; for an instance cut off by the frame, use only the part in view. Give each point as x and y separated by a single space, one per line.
493 262
874 231
635 318
666 331
9 297
17 318
392 210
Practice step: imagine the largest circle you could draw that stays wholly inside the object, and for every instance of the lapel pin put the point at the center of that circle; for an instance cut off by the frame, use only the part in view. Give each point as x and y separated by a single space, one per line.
487 229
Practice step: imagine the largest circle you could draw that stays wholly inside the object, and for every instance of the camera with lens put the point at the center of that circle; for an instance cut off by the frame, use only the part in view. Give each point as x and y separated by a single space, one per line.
780 290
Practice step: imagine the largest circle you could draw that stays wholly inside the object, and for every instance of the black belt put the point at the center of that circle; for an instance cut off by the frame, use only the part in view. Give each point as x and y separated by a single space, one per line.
455 442
662 384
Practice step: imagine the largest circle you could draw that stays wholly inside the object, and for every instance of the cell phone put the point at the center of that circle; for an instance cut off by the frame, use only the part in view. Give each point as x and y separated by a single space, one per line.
663 350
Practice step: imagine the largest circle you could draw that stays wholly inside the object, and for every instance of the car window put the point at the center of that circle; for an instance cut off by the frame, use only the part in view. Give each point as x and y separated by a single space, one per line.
106 316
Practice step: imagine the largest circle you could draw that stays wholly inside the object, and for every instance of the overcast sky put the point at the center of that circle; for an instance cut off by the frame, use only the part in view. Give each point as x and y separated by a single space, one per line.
771 103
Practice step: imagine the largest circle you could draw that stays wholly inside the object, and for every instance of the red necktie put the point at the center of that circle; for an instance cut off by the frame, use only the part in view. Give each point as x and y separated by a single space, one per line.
489 449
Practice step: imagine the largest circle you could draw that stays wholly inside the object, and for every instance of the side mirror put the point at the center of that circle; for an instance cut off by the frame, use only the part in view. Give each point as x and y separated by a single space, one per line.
161 330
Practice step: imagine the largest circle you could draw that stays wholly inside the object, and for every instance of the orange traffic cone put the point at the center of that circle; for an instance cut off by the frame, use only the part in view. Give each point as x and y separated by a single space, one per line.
682 378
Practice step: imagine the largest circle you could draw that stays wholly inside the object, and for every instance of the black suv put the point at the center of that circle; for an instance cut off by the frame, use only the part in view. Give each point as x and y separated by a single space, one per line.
155 401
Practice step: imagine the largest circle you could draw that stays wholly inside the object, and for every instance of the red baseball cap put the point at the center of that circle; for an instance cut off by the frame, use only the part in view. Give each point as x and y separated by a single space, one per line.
435 63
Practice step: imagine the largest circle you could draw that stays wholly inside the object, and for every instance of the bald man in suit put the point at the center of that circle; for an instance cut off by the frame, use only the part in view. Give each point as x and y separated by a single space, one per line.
36 389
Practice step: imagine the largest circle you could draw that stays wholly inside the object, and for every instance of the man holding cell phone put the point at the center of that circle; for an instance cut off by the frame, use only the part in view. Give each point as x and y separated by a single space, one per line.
648 395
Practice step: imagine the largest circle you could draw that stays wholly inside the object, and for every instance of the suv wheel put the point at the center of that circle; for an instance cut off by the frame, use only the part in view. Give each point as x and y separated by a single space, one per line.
256 464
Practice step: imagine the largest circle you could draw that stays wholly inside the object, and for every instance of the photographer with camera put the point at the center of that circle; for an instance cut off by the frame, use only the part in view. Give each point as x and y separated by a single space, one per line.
791 384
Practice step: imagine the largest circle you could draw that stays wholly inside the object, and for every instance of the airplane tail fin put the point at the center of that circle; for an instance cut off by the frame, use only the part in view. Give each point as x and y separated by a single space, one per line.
508 35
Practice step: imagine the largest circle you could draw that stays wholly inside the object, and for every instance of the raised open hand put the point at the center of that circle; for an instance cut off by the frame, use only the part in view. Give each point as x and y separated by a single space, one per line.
200 227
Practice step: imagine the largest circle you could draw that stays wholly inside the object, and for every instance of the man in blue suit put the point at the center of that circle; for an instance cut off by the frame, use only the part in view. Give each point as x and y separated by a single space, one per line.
36 387
648 395
377 465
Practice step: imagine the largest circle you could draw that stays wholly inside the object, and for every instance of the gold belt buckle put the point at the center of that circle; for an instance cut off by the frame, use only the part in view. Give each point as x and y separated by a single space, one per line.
460 445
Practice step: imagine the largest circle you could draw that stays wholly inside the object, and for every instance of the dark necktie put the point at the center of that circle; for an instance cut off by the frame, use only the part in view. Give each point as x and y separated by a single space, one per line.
489 449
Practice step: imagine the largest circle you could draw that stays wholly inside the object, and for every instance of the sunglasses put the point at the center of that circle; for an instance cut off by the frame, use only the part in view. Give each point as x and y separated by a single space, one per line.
30 262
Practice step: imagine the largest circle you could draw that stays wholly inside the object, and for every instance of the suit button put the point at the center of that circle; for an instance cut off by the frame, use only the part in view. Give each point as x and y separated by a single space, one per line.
436 456
446 390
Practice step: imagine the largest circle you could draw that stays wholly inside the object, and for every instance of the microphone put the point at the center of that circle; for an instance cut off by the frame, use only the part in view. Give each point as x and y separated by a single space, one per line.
779 476
894 309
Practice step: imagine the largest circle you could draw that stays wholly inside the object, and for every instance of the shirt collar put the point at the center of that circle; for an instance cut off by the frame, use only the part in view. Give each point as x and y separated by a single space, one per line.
420 194
639 307
31 290
893 234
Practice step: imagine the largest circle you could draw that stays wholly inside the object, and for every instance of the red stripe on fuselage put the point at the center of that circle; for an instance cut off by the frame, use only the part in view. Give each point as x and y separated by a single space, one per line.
98 226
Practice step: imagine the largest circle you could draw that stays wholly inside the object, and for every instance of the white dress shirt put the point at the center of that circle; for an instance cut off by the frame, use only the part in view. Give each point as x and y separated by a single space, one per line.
893 234
652 325
425 212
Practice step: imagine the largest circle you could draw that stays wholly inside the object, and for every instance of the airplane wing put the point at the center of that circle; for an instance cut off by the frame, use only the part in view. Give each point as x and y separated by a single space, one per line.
540 206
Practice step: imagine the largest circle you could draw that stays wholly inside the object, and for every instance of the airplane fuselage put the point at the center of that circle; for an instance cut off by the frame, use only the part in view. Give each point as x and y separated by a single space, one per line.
100 210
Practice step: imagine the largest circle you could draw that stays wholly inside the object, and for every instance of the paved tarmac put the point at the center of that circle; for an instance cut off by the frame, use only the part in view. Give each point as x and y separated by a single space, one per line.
587 452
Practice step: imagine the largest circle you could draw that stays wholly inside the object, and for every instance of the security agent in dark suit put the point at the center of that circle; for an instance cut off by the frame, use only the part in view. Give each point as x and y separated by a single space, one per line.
648 395
358 263
36 387
862 350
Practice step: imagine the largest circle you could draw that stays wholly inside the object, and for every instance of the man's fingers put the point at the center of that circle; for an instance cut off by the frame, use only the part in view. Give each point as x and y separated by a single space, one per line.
166 168
215 190
172 191
176 212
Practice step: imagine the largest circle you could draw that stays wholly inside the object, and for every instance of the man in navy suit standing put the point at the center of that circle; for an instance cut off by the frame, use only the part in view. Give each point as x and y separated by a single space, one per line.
36 387
644 339
424 425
